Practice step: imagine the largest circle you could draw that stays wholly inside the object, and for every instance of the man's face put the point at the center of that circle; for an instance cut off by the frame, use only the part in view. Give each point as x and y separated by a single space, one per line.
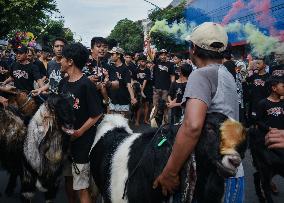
279 88
163 57
260 65
30 56
99 50
279 57
127 58
176 60
45 55
64 64
21 57
142 63
115 57
57 48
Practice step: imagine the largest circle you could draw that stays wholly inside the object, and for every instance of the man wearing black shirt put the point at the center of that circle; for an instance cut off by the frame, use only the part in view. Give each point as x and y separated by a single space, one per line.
128 57
164 75
88 111
23 73
257 87
122 97
143 76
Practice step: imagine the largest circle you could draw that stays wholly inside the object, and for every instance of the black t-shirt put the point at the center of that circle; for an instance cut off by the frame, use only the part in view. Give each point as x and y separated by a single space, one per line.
87 103
177 91
132 68
121 95
162 75
277 70
141 75
41 68
270 114
257 89
231 67
97 69
24 75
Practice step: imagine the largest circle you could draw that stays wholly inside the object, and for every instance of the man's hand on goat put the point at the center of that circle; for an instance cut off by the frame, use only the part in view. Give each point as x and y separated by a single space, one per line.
167 181
275 138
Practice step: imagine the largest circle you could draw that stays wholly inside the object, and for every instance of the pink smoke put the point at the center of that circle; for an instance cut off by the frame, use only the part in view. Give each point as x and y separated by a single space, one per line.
262 12
236 7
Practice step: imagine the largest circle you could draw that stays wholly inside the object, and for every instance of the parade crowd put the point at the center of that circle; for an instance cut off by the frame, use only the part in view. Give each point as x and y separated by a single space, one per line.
101 81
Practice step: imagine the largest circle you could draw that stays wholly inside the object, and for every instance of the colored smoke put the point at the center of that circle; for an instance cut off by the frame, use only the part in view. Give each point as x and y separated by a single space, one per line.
179 31
236 7
260 43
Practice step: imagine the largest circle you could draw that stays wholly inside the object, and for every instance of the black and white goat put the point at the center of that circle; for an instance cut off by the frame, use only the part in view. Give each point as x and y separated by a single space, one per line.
45 147
125 164
268 163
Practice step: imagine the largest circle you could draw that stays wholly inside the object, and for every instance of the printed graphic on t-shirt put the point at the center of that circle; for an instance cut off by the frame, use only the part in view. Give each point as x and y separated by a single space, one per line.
20 74
56 75
118 75
76 104
259 82
278 73
163 68
141 75
276 111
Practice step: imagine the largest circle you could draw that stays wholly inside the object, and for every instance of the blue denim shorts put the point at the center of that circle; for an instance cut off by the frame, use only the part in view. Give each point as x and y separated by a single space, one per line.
234 190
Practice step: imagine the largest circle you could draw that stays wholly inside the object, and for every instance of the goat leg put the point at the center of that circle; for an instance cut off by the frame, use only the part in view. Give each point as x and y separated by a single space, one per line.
11 184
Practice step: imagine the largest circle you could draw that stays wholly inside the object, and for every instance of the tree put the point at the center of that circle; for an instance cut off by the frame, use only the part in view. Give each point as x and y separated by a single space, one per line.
54 29
162 39
128 34
170 13
23 15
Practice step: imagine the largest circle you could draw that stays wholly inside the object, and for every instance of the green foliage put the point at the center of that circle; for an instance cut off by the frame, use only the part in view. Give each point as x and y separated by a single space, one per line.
24 15
164 40
128 34
170 13
54 29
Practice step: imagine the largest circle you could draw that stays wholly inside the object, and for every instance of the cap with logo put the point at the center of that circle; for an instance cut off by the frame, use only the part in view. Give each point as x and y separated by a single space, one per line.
117 50
208 33
22 49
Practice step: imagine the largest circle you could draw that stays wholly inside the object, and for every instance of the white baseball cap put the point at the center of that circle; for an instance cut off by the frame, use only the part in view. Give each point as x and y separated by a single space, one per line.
208 33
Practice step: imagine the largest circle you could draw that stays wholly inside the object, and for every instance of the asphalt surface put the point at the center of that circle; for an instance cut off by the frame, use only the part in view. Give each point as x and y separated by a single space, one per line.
250 196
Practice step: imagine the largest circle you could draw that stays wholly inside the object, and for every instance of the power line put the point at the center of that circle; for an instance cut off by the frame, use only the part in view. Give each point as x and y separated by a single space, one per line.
153 4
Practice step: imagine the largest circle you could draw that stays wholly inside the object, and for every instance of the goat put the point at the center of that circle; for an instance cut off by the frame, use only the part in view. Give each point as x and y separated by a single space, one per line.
137 94
125 164
12 135
45 146
268 163
157 114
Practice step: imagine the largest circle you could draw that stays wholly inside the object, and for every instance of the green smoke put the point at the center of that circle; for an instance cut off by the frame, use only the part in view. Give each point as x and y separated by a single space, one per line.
260 43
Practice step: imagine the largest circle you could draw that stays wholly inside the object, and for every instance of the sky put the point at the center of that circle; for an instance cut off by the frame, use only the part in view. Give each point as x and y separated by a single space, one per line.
89 18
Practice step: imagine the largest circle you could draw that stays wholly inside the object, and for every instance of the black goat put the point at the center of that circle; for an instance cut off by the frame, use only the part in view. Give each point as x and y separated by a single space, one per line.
125 164
268 163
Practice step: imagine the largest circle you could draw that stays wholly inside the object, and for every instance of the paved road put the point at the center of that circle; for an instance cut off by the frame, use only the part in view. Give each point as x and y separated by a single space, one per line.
249 198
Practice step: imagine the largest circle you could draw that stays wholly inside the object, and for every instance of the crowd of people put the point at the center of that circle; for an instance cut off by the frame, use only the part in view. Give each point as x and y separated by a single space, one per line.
101 80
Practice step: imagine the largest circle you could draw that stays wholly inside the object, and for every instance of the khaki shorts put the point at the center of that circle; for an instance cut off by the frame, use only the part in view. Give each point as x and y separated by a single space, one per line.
157 94
81 176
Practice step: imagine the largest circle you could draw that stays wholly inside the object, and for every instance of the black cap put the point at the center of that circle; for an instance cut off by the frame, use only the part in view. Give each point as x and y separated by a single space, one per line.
142 58
22 49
